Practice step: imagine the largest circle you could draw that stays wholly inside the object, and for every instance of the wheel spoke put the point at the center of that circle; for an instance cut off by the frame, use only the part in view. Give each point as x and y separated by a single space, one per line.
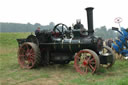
32 54
81 65
92 63
88 58
86 69
23 50
93 69
92 59
81 60
27 50
30 59
83 68
27 46
31 50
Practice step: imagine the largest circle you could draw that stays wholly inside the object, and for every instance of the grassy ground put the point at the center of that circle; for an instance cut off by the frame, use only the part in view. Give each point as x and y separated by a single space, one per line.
12 74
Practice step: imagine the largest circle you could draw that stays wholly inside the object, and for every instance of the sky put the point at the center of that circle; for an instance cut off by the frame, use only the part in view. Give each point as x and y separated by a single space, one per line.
64 11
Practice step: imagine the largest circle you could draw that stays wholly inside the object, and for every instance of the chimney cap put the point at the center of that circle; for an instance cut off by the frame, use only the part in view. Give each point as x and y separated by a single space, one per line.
89 8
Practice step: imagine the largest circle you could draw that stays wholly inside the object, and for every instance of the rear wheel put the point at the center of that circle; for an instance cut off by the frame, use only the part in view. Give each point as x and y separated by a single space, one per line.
33 39
29 55
86 61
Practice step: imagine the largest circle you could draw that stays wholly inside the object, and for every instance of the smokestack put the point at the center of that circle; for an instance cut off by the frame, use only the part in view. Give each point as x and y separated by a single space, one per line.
90 20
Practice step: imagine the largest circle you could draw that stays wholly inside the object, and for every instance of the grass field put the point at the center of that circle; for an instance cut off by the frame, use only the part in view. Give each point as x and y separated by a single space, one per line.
12 74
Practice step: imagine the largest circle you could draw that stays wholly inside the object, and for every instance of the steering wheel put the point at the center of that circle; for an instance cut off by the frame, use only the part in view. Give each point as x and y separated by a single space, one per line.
60 30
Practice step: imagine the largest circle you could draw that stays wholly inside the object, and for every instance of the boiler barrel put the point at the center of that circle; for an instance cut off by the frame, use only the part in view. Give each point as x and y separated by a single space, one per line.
73 45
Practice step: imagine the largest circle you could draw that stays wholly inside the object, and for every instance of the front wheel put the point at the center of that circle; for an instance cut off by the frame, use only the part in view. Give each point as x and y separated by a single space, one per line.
107 52
86 61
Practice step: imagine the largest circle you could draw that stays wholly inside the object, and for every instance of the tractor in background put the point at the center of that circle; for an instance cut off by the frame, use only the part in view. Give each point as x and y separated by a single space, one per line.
120 44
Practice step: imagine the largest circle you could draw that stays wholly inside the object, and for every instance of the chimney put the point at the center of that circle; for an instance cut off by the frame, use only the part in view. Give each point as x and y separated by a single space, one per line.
90 20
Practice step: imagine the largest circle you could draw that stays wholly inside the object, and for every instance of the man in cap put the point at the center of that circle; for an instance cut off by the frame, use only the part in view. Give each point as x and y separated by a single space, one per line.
37 31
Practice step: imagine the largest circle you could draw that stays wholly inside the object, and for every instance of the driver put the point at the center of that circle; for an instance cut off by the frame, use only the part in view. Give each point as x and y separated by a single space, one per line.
78 25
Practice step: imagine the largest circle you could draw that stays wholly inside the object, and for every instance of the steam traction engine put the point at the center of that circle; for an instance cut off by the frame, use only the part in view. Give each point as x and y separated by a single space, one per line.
64 44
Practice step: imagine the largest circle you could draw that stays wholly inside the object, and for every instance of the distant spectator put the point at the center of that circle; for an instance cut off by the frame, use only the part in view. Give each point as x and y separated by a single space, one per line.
109 42
37 31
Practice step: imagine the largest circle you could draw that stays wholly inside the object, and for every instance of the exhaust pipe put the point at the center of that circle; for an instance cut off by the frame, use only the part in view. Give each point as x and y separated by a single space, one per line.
90 20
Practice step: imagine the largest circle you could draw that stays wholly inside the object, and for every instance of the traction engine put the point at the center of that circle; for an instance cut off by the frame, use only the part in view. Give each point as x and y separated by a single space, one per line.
64 44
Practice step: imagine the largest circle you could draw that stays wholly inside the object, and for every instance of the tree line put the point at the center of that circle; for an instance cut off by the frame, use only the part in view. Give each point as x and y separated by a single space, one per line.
106 33
18 27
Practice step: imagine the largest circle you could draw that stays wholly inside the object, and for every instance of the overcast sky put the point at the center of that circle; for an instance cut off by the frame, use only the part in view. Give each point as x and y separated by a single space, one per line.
64 11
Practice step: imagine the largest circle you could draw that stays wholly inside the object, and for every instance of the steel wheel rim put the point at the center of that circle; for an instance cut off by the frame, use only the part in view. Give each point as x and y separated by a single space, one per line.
88 63
26 56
